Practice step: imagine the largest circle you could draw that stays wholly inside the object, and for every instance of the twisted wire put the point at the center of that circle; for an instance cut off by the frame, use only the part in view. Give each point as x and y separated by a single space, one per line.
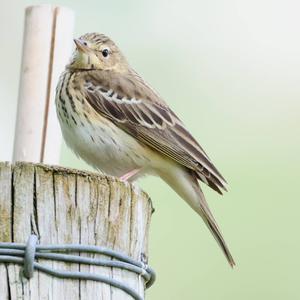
25 254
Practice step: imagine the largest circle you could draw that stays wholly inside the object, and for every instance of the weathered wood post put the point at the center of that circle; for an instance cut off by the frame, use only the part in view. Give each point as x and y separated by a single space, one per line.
67 206
62 206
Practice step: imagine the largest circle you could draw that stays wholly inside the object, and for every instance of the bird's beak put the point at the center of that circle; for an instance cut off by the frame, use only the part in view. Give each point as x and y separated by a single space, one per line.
81 45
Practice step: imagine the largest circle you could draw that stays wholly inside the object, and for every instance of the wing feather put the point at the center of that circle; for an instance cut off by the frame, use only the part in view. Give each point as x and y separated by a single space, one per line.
152 122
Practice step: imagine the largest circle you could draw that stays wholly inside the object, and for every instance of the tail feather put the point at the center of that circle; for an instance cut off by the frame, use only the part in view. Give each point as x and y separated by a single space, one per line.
184 182
214 228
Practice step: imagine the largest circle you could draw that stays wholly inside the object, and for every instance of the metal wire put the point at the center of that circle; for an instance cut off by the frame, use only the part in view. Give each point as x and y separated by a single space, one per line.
26 255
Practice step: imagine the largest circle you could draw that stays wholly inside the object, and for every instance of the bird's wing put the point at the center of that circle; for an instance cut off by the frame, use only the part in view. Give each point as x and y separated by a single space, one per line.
137 109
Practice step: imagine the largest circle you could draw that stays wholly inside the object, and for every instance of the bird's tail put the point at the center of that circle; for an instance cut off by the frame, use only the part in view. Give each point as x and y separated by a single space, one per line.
184 183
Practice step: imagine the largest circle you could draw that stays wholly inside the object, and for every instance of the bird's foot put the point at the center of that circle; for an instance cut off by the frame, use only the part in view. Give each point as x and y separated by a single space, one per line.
129 175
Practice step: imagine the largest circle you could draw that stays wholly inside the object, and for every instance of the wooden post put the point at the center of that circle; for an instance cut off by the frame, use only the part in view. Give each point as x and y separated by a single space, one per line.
68 206
47 45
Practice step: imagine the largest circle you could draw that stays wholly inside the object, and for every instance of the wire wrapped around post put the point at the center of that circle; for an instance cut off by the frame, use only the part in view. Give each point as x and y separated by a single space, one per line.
90 232
26 255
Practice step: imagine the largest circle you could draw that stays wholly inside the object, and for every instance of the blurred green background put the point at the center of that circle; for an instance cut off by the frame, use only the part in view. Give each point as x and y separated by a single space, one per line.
230 69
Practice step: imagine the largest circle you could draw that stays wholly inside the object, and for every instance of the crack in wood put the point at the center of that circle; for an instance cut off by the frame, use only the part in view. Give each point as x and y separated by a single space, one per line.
73 207
54 199
35 222
8 283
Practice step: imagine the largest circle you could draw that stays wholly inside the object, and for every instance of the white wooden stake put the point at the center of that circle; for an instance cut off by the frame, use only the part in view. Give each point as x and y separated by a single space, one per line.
47 46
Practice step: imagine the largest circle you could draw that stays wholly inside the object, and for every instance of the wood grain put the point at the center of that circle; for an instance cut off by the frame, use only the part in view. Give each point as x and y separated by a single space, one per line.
47 46
69 206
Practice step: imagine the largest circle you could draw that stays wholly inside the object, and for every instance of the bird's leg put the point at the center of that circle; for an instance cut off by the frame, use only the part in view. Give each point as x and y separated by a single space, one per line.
130 174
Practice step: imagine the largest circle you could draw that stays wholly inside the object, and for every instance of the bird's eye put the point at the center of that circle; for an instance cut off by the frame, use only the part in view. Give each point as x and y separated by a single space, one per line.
105 52
85 43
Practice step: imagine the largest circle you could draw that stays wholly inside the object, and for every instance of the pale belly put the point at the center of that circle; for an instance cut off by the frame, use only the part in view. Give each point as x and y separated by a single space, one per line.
108 148
98 141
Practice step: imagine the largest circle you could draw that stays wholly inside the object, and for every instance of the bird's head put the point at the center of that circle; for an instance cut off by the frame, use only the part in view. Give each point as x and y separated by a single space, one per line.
96 51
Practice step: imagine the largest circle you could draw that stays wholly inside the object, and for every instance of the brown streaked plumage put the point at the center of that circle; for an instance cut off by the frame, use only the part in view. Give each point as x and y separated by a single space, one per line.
116 122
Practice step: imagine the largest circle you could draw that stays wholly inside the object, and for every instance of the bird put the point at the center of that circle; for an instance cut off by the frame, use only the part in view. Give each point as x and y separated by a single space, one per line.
117 123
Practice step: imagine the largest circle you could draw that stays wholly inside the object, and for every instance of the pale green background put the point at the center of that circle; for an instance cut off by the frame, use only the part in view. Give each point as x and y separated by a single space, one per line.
230 69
